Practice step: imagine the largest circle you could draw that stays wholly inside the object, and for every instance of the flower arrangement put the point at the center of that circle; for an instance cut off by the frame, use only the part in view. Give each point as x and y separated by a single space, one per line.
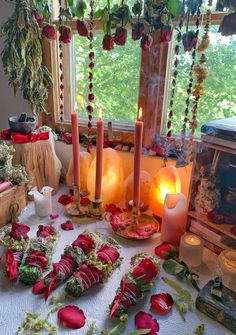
98 268
14 238
14 174
39 255
136 283
74 255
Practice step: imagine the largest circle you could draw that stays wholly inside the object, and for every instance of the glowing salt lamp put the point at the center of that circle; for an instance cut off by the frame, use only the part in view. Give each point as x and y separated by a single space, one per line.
112 177
145 182
165 181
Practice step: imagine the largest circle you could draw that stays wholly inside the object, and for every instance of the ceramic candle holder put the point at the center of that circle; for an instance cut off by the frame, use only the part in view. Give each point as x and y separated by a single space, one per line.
191 250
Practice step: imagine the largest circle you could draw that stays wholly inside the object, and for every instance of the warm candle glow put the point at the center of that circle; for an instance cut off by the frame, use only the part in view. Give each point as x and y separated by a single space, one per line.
140 114
191 249
192 240
100 114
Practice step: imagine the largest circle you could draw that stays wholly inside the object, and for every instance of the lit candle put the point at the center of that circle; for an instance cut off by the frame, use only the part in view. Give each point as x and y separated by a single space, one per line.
191 249
75 143
100 135
137 158
174 218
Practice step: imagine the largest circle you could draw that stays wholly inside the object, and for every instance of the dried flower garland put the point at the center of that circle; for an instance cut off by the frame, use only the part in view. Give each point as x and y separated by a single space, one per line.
73 256
39 255
136 283
98 268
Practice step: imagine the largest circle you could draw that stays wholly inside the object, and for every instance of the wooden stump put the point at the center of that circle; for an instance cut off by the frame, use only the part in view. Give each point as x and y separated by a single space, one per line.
40 161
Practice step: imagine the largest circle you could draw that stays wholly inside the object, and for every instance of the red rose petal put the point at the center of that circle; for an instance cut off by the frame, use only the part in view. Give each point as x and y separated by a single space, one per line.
166 251
39 287
54 216
85 201
145 321
68 225
65 199
161 303
85 243
71 317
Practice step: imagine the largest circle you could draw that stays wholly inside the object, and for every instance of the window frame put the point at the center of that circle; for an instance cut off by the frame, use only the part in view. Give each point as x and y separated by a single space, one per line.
156 62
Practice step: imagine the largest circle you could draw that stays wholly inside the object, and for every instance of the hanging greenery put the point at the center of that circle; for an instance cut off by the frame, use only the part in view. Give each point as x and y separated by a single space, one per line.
22 56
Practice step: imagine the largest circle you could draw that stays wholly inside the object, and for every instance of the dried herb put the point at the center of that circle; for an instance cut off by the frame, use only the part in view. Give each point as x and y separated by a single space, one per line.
22 56
181 270
200 330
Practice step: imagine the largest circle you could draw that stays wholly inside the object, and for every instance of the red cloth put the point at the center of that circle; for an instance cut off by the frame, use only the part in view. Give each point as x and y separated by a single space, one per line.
9 135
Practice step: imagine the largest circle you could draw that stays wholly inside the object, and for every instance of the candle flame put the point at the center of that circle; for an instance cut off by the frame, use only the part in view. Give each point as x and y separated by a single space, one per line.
100 114
75 107
140 114
192 239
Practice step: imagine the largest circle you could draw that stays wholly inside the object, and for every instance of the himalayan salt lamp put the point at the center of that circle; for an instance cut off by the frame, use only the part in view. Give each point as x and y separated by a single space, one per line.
112 177
85 162
165 181
145 183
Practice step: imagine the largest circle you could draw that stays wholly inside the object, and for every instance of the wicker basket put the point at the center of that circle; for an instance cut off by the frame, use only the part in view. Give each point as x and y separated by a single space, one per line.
12 201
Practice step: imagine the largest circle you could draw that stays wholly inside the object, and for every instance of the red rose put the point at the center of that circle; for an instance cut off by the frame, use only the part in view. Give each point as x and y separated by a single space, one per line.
113 209
71 317
68 225
81 28
44 231
145 321
145 271
137 31
146 42
84 242
108 254
84 201
189 40
108 42
19 231
166 251
38 17
120 36
228 25
49 32
65 34
165 34
161 303
65 199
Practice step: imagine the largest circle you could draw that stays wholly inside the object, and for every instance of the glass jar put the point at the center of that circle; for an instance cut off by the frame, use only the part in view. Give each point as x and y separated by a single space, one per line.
227 264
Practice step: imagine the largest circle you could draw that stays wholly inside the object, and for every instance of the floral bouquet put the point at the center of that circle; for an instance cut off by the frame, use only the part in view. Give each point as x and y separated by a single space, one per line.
39 255
98 268
15 238
136 283
73 256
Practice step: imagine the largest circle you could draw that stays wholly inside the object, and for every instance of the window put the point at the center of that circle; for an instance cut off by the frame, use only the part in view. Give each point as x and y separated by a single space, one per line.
219 100
126 79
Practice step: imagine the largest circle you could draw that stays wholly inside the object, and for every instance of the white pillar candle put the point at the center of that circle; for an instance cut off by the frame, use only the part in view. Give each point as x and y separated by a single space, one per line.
174 218
227 263
191 249
43 205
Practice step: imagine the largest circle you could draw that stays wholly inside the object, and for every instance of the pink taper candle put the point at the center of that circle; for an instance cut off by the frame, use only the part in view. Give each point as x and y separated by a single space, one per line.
137 158
100 136
75 143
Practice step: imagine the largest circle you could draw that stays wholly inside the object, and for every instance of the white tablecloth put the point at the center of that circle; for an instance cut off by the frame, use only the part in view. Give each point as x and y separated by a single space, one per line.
17 299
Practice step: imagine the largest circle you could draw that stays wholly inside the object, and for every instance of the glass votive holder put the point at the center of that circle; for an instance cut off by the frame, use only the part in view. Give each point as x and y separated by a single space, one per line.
191 249
227 264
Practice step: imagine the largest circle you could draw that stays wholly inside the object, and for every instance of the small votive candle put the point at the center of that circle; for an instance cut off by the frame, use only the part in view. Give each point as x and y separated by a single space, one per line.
191 249
227 264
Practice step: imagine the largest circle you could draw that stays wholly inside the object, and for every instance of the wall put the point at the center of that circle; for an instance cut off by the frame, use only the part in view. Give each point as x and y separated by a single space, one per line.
150 164
10 105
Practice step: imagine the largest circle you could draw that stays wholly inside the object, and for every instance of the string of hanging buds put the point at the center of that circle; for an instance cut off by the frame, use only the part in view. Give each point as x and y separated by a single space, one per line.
193 46
61 77
173 89
200 72
90 105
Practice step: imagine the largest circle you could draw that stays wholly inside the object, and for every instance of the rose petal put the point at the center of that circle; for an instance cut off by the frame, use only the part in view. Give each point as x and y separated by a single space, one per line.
39 287
19 231
85 201
54 216
65 199
166 251
68 225
161 303
85 243
145 321
71 317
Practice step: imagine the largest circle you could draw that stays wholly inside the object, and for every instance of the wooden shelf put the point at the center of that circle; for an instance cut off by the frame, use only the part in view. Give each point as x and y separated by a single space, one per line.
223 228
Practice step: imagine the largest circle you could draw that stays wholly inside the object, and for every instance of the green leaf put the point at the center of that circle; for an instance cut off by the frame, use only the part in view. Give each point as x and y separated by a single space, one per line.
174 7
181 308
80 8
99 13
172 267
200 330
71 3
137 8
183 293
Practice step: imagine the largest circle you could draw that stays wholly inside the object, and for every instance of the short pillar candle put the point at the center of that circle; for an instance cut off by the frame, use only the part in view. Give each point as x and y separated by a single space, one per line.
191 249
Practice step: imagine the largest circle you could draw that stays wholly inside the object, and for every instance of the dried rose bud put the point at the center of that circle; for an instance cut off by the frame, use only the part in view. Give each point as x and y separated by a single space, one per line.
65 34
81 28
165 34
137 31
38 17
49 32
108 42
120 36
146 42
189 40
